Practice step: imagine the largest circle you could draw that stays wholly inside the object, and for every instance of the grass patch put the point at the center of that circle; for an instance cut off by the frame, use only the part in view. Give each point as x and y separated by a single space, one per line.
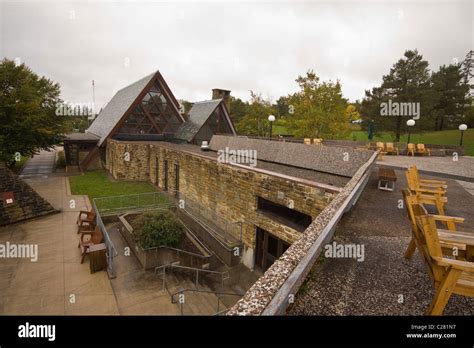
97 184
447 137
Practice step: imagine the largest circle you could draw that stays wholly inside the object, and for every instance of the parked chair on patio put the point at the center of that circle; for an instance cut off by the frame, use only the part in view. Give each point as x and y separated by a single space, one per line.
96 237
380 148
307 141
449 276
449 239
85 219
391 149
411 149
422 150
425 182
317 141
437 193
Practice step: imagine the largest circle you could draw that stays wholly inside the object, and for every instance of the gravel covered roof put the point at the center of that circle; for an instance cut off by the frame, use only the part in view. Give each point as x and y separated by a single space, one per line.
327 159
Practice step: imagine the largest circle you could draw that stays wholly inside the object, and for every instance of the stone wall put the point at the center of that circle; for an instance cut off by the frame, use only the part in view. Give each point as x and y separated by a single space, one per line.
231 191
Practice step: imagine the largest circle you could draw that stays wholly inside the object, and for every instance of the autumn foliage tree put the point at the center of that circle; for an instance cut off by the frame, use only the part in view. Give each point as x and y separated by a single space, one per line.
319 110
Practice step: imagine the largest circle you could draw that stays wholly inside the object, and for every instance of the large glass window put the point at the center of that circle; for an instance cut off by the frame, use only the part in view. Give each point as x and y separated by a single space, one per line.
152 116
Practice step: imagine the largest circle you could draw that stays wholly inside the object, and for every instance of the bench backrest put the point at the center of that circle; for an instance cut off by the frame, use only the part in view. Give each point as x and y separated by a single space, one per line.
411 146
430 247
390 146
380 145
97 237
411 181
420 147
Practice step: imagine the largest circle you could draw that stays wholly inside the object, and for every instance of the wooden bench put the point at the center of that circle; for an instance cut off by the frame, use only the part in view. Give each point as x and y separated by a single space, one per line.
430 192
387 178
413 170
95 237
391 149
411 149
449 276
85 220
453 242
422 150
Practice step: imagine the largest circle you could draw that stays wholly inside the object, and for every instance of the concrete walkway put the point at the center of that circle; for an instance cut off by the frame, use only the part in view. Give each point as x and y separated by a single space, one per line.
57 283
462 169
40 164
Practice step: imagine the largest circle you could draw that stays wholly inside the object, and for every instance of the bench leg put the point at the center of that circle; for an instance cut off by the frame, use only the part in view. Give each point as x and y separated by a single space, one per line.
410 249
444 291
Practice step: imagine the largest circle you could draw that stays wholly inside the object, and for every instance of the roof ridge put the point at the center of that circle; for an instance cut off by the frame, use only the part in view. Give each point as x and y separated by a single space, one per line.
208 101
131 84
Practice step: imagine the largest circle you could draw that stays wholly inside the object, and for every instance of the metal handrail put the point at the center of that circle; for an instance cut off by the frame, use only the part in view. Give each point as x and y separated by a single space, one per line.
198 270
179 251
124 206
111 252
217 293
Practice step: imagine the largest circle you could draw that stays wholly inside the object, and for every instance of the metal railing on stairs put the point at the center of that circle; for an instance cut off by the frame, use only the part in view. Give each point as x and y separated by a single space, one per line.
219 294
224 275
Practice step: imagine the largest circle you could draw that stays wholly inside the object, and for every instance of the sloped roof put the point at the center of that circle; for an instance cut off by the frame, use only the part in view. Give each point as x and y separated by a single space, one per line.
27 203
198 115
328 159
116 108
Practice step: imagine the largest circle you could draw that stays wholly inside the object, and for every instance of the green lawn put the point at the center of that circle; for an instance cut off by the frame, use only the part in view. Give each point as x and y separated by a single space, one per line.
97 184
448 137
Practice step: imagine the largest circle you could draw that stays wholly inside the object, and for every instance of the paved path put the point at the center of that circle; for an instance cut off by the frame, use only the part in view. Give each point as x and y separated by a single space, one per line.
462 169
57 283
40 164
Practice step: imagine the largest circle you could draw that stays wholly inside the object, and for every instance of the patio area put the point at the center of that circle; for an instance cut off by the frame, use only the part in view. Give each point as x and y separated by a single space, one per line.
57 284
384 283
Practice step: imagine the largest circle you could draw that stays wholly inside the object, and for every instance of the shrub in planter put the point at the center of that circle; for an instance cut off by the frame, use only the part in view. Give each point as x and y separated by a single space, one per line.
159 229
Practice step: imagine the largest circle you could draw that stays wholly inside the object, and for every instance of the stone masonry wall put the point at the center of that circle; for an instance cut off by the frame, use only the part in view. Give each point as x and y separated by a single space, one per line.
228 190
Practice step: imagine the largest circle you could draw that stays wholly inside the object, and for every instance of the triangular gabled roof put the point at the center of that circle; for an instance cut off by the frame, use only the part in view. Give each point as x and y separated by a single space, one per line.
198 115
123 101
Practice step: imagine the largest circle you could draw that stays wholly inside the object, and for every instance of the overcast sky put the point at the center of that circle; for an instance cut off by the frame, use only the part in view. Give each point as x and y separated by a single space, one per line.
241 46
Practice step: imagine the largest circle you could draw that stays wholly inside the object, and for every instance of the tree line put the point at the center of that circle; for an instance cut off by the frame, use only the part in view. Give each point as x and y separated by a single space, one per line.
438 100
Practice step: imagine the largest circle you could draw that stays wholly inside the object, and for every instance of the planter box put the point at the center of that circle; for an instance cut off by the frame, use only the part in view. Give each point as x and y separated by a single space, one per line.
158 256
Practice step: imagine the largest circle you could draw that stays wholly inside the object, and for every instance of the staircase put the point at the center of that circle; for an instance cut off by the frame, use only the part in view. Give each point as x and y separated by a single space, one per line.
192 301
201 295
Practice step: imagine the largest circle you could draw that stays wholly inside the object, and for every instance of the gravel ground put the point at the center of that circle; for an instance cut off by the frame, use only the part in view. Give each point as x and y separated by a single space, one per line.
384 283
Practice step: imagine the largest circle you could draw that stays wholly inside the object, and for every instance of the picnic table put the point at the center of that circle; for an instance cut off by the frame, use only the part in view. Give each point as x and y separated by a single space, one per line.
387 178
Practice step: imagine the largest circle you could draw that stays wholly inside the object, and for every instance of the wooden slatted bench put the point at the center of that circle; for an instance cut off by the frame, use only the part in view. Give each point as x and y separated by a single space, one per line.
387 178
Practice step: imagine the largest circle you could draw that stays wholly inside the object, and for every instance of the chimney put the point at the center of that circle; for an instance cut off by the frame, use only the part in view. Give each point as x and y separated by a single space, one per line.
218 93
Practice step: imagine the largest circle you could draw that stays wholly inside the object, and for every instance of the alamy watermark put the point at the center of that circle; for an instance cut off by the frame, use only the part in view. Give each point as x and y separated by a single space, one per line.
408 109
74 109
246 157
345 251
24 251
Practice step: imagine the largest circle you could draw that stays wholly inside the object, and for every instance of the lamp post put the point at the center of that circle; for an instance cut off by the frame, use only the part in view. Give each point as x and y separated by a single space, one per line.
271 119
410 124
462 128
